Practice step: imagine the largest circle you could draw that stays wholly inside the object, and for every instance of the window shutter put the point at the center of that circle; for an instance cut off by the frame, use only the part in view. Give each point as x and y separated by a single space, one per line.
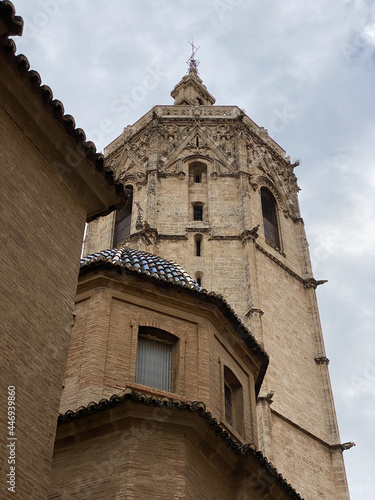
154 363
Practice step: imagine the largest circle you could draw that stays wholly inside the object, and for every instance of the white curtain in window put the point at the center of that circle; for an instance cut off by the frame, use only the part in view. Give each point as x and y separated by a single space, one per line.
154 363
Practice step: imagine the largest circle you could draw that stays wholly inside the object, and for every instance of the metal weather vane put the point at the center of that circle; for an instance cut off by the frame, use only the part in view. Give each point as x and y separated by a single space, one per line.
192 62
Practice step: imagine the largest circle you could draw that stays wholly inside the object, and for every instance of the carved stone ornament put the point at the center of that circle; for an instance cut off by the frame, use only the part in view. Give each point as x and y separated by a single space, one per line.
250 233
321 360
254 312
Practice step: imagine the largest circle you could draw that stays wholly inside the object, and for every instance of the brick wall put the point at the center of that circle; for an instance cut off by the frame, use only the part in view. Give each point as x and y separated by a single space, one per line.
103 349
44 203
41 232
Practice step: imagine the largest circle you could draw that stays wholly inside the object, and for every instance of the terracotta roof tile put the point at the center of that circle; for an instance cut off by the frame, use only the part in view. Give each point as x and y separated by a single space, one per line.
145 263
168 272
11 24
197 407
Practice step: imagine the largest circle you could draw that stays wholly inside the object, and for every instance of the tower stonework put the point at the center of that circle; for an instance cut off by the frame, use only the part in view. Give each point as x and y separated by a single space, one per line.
214 193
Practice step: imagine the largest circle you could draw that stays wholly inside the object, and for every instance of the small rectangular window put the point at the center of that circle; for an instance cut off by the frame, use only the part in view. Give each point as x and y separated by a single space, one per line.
197 178
154 363
198 212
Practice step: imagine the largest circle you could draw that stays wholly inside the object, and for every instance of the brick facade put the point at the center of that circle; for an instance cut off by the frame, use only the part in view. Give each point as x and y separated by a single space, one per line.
103 348
44 205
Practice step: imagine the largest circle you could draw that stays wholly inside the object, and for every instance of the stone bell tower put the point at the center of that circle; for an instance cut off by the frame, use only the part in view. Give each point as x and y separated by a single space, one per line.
210 190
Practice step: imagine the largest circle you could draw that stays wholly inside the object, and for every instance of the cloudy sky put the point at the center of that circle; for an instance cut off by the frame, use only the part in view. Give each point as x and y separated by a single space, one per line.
303 70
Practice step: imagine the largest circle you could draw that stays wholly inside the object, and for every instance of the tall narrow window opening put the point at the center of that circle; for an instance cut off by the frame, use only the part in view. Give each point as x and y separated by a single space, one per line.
123 220
198 212
198 245
199 277
197 178
269 209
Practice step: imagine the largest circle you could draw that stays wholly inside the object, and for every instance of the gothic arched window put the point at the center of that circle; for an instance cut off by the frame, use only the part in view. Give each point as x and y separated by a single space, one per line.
269 209
123 220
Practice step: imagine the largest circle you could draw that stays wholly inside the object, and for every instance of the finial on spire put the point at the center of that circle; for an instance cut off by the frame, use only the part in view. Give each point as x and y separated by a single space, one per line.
192 62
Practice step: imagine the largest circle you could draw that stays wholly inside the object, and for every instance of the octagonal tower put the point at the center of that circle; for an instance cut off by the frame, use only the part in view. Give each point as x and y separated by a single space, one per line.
212 191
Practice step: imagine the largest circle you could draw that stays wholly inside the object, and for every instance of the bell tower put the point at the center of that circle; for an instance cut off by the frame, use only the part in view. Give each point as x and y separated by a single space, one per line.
212 191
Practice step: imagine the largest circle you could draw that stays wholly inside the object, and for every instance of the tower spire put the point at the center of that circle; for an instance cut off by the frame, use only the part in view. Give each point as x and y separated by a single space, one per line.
192 62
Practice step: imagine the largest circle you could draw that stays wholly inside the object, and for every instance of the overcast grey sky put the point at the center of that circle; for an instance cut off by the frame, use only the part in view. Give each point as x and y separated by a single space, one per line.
303 70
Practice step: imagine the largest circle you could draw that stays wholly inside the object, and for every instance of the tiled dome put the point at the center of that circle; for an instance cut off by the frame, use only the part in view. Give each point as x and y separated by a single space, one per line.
155 267
143 262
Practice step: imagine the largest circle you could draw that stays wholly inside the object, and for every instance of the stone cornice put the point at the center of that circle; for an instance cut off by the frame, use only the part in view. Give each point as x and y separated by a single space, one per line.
224 237
172 237
198 408
307 282
245 236
198 229
281 264
305 431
